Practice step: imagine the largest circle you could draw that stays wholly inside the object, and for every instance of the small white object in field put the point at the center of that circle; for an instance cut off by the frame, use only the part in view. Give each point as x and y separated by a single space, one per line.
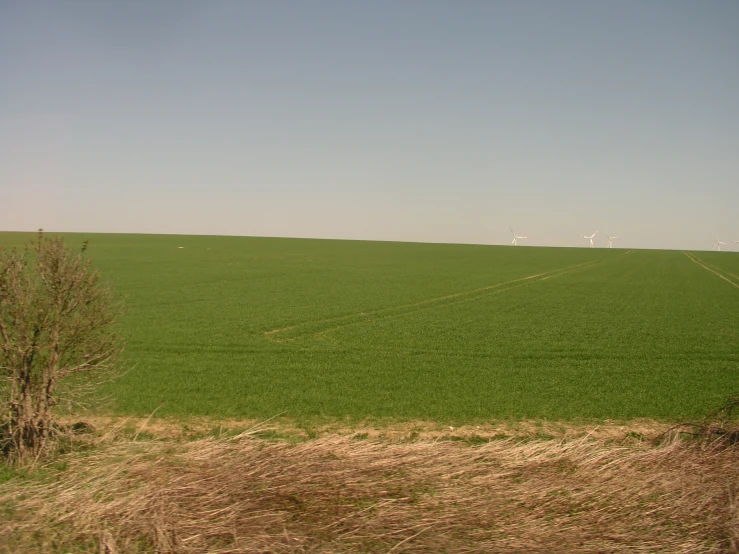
451 428
180 247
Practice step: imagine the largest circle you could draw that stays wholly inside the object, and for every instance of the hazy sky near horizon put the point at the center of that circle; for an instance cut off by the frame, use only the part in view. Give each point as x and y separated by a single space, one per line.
389 120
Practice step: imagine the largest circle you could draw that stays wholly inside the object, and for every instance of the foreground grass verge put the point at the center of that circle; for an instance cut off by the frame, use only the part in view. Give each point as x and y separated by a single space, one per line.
403 489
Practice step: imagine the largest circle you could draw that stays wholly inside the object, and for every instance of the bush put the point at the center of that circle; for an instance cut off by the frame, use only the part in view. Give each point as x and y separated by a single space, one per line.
58 336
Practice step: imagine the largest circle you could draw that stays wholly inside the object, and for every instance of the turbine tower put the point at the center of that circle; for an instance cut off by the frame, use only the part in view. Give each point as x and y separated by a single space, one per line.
515 238
590 238
718 244
610 240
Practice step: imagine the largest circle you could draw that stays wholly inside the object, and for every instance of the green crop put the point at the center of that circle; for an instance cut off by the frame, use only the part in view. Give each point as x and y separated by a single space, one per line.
255 327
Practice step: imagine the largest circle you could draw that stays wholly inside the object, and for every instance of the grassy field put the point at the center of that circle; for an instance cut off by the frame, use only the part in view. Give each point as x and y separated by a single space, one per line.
255 327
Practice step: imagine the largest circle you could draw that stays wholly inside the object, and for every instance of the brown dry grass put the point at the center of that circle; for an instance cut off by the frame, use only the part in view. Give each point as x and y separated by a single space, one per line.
337 493
116 427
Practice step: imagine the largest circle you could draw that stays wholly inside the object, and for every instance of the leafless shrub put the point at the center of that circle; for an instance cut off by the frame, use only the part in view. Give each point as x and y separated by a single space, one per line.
719 427
57 334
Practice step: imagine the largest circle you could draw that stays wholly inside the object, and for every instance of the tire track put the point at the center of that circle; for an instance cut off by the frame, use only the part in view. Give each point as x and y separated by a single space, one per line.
720 270
322 326
716 271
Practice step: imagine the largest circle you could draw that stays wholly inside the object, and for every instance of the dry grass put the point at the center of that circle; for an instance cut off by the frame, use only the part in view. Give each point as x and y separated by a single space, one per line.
337 493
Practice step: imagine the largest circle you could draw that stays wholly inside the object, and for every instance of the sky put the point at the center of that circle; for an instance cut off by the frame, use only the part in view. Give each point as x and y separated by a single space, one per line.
413 120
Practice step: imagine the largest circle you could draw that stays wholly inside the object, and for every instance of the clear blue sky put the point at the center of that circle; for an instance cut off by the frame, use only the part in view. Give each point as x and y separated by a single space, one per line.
414 120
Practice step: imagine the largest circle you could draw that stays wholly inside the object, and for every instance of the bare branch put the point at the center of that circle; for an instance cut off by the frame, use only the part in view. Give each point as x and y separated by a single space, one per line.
56 320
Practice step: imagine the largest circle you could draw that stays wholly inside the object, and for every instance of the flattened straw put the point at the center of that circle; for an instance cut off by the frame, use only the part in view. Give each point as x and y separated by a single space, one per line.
148 419
394 548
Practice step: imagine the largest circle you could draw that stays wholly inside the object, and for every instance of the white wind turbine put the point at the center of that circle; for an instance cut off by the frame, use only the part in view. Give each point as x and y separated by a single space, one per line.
718 244
515 238
590 238
610 240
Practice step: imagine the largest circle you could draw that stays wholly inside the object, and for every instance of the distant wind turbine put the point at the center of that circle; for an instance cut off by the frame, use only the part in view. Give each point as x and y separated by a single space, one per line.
718 244
610 240
590 238
515 238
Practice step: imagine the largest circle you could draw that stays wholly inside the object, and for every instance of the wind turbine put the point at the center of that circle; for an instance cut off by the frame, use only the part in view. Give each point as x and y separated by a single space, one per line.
610 240
515 238
590 238
718 244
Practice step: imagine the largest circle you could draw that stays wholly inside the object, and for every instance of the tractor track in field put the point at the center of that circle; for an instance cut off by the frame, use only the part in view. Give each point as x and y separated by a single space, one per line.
334 323
720 270
713 269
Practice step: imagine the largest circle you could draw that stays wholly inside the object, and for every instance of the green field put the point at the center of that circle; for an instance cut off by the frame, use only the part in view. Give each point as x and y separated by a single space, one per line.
255 327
